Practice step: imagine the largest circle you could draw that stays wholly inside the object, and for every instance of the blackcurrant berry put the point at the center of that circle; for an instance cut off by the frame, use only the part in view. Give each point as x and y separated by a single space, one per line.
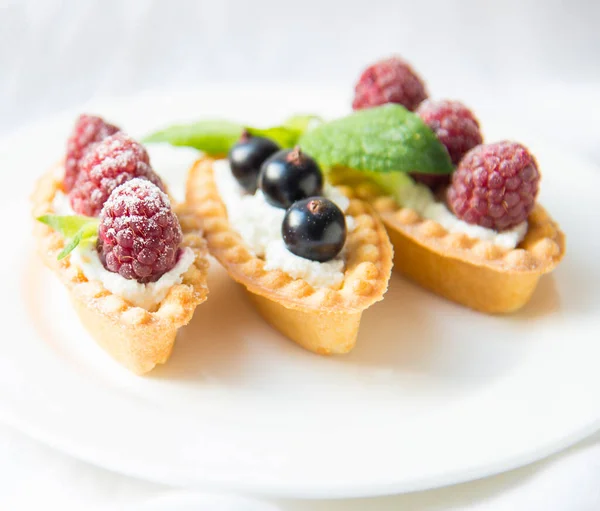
314 228
246 158
288 176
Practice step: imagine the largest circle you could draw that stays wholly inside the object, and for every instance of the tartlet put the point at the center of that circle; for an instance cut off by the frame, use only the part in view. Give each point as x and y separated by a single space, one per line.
322 320
137 338
472 272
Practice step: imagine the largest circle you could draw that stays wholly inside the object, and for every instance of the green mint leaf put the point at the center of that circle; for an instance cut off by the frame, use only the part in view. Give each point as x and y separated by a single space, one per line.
67 225
287 134
70 245
382 139
214 137
281 135
303 122
394 183
75 229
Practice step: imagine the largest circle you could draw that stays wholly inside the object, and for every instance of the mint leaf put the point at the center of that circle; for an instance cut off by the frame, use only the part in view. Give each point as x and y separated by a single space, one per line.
214 137
382 139
75 229
391 183
281 135
67 225
303 122
288 134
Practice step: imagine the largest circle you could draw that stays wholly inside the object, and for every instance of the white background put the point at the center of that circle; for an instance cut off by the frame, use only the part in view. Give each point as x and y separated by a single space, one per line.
535 63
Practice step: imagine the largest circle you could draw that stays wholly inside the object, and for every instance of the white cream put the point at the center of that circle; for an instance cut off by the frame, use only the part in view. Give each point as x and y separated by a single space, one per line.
61 205
146 296
259 224
420 198
326 274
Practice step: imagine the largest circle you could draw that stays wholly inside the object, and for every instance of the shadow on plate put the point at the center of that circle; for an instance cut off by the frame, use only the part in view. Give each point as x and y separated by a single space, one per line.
412 333
217 339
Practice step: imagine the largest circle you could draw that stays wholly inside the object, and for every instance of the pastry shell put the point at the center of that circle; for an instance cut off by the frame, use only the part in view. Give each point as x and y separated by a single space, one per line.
322 320
135 337
475 273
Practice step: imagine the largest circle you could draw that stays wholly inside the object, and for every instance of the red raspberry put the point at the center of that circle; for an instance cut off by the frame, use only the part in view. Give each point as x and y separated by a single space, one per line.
454 125
139 235
495 186
88 130
389 81
108 164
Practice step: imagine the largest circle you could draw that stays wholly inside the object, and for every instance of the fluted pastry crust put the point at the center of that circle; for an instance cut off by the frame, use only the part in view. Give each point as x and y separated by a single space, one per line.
366 275
470 271
136 337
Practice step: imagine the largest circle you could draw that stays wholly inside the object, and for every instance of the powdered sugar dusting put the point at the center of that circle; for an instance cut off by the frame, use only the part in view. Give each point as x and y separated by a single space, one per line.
87 132
148 295
107 165
136 191
139 234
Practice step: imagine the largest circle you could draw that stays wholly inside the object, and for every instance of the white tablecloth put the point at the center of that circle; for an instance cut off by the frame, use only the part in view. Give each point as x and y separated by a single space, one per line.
537 59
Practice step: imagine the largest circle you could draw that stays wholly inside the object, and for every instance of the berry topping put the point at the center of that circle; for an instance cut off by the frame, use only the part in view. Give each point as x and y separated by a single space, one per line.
288 176
139 235
88 130
246 158
108 164
314 228
495 186
454 124
389 81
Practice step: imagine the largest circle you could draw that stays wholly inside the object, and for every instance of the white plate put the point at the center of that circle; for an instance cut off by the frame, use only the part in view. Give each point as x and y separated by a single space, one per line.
191 501
433 393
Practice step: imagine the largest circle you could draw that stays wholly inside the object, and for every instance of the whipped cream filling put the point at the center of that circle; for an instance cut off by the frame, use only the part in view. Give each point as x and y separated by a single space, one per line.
420 198
146 296
259 224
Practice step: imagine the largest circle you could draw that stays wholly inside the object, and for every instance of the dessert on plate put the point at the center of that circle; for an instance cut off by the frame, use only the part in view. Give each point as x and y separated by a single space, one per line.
134 263
311 259
462 215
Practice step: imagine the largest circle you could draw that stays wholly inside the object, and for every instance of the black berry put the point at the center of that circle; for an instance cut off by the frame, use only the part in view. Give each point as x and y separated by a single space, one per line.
288 176
314 228
246 158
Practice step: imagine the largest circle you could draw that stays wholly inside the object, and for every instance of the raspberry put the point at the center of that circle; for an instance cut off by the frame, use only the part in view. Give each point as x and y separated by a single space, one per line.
88 130
454 125
139 235
108 164
389 81
495 186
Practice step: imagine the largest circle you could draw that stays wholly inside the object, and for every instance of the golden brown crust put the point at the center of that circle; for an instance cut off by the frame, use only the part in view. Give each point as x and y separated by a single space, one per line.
472 272
540 251
322 332
137 338
325 321
368 264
